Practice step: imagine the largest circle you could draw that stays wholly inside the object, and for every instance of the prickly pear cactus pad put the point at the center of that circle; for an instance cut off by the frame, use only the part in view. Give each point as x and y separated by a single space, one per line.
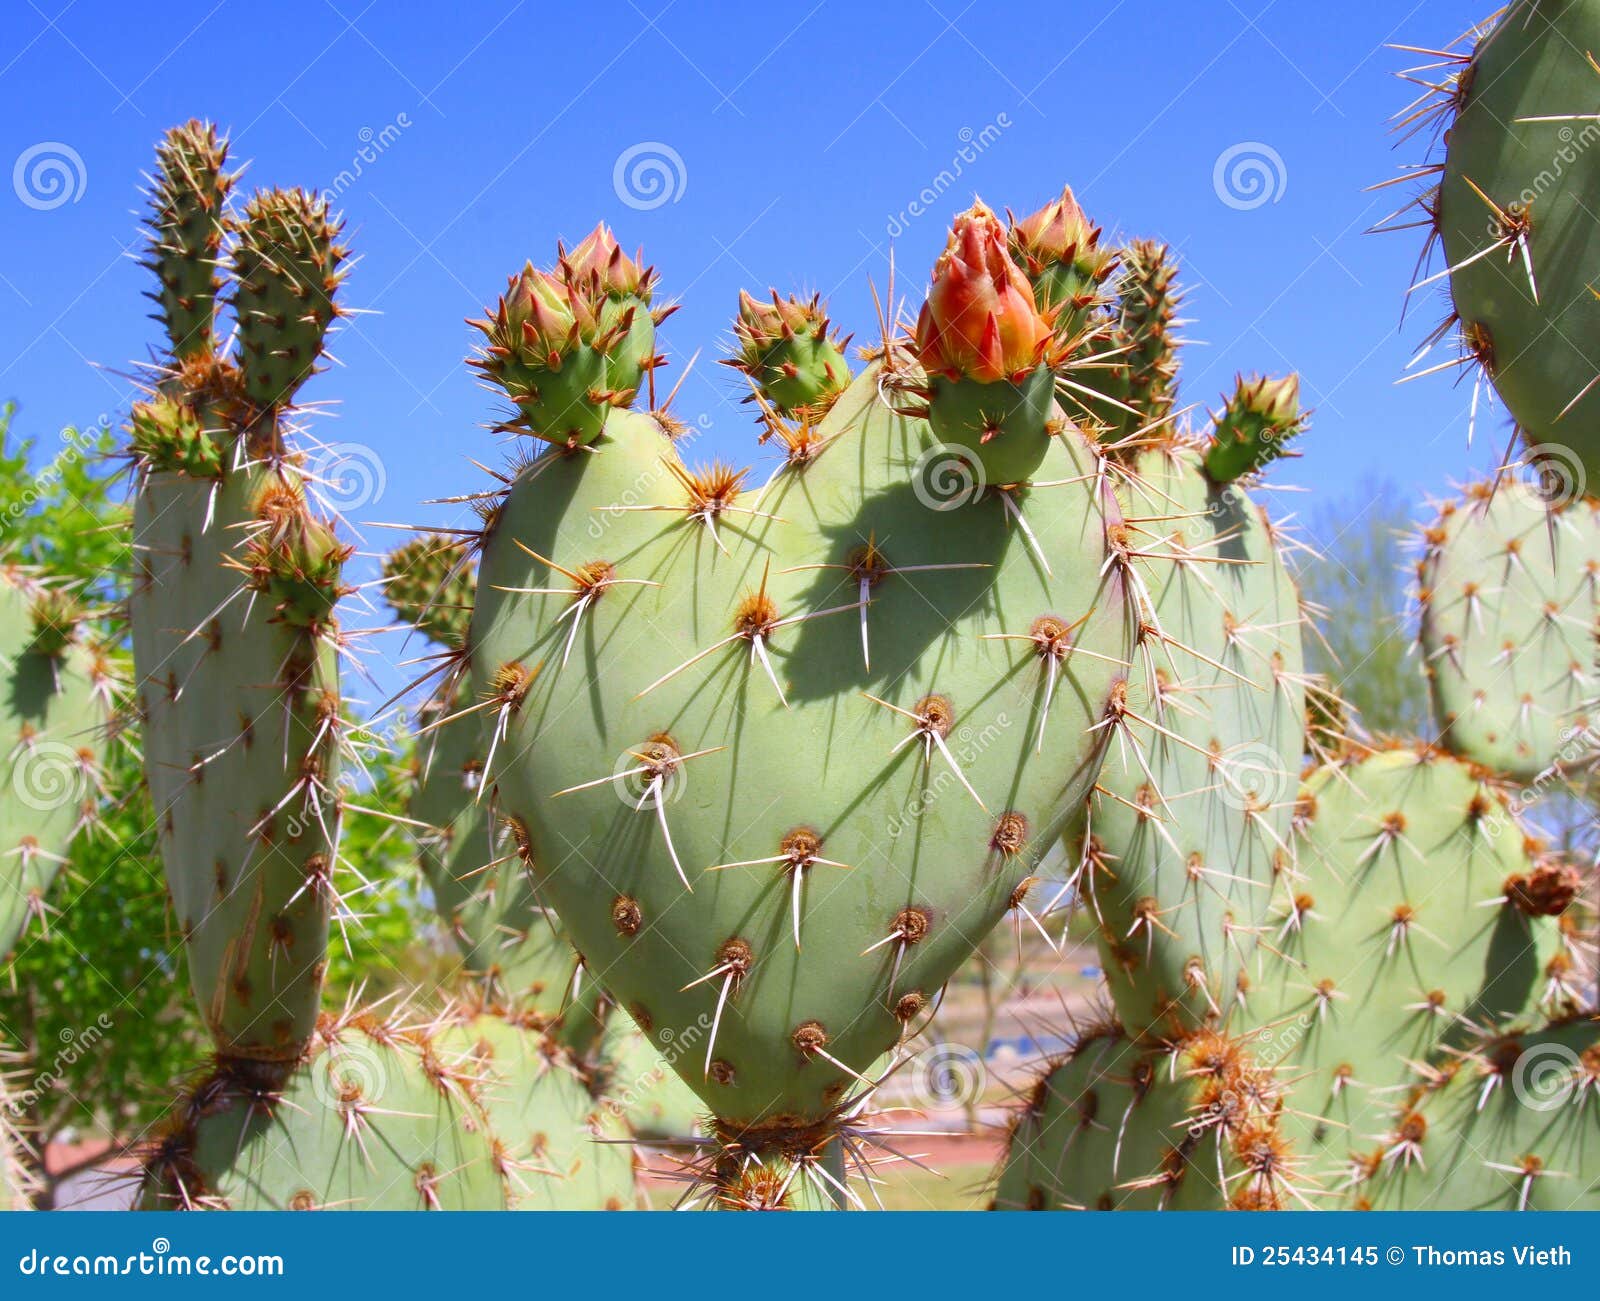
783 758
1191 819
1508 592
1510 1122
559 1148
1416 910
55 707
235 638
375 1118
1120 1125
1514 207
512 948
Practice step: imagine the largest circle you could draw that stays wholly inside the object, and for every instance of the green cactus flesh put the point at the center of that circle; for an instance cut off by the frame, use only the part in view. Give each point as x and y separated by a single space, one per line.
748 848
513 949
374 1118
642 1087
238 690
1413 913
1511 1122
1193 816
558 1147
1515 209
187 222
54 714
1137 385
789 354
287 271
1508 595
1121 1125
1254 427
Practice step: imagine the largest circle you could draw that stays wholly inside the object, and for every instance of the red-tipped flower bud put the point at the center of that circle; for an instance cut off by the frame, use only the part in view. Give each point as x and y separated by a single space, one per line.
980 321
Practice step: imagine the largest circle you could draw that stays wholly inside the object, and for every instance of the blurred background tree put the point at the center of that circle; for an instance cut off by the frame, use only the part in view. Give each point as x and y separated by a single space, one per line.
1361 585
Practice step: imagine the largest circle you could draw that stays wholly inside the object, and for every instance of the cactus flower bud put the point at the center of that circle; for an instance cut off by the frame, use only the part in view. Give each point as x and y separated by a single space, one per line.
980 321
1255 427
1058 248
786 350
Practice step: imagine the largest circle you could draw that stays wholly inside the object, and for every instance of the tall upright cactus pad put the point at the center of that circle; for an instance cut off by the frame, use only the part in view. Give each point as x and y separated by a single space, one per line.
375 1118
1191 821
1509 588
1416 910
513 949
559 1148
782 761
1510 1122
55 707
1123 1125
235 641
187 225
1514 207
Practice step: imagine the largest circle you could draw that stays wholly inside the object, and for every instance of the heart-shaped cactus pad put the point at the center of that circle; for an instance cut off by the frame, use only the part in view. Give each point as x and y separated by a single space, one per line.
781 758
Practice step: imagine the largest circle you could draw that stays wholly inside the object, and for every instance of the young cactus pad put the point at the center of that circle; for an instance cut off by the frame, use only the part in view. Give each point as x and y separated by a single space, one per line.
54 711
1508 590
1412 915
784 758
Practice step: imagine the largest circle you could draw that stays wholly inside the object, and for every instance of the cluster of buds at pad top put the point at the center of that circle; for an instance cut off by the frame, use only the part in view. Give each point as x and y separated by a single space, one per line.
786 348
986 348
568 346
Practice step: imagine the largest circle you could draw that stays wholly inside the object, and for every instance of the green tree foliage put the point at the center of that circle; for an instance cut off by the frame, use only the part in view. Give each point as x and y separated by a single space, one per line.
1360 585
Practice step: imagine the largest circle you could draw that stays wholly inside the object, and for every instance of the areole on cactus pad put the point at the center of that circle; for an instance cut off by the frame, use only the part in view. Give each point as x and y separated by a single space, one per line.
782 759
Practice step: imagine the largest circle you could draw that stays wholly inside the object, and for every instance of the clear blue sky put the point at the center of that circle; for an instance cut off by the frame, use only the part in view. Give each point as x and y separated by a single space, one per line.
797 136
